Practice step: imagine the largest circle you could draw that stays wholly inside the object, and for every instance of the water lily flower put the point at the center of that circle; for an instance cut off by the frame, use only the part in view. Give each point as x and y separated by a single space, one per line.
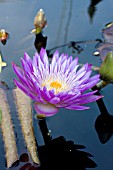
56 84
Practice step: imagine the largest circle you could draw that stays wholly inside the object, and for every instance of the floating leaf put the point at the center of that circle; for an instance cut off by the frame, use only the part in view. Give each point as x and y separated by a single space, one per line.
7 131
104 49
107 45
108 33
23 104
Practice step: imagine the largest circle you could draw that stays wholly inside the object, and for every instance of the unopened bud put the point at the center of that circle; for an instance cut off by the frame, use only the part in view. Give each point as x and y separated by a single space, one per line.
106 68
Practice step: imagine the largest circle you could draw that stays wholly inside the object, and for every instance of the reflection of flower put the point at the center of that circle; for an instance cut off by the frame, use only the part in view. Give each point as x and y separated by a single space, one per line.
55 85
64 154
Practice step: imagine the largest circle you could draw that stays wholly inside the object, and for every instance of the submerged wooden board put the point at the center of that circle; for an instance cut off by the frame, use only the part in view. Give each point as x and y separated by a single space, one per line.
23 104
7 131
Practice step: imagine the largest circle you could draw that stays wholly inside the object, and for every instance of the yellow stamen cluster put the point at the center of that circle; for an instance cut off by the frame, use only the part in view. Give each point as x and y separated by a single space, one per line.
55 84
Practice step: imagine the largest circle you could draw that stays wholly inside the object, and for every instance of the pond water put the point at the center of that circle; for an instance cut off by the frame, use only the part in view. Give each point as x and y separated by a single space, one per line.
67 21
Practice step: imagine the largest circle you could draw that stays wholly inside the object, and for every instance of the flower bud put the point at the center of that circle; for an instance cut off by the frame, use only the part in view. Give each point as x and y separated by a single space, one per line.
106 68
3 36
40 20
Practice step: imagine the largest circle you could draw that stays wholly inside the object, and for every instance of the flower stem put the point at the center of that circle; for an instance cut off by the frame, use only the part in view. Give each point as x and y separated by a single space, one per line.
101 104
45 132
100 85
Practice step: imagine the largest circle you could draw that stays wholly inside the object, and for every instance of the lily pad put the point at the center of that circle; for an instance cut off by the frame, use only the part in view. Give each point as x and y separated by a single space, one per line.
104 49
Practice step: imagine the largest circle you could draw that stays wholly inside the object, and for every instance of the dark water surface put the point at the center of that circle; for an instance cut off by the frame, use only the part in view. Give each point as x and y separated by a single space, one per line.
67 21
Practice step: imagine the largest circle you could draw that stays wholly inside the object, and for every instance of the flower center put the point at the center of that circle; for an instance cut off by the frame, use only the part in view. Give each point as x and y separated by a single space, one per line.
55 84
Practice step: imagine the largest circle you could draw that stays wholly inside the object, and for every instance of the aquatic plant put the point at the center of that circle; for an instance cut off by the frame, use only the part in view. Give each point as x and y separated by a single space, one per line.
106 72
3 36
57 84
40 22
106 68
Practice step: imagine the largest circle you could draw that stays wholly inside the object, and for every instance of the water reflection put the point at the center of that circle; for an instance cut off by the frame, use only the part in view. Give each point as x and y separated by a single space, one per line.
68 20
92 8
59 153
24 163
65 19
62 154
40 41
104 123
4 85
11 47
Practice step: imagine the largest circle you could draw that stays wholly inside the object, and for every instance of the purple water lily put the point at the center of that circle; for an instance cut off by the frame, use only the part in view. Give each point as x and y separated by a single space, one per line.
56 84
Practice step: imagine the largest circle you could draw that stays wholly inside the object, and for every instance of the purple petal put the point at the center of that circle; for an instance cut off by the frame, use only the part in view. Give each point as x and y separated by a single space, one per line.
25 66
87 94
27 59
89 85
46 109
72 67
75 107
22 77
60 60
54 100
94 78
83 68
24 89
19 72
45 93
85 78
64 66
88 99
29 93
72 99
54 61
79 76
42 52
35 59
44 57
